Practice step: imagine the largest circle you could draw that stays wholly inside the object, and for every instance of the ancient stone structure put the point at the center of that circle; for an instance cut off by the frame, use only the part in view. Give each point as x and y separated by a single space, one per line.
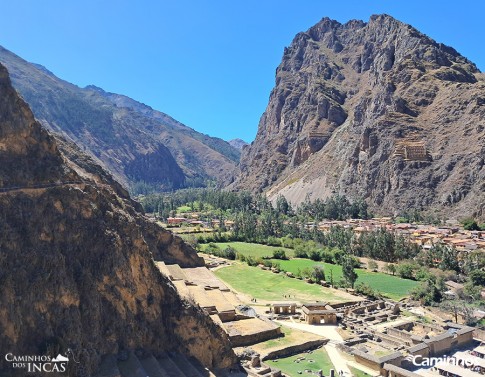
284 308
411 151
319 313
407 339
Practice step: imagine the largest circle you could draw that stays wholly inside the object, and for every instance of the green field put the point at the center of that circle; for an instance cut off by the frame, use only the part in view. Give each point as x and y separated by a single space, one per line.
391 286
252 249
291 337
265 285
358 373
315 361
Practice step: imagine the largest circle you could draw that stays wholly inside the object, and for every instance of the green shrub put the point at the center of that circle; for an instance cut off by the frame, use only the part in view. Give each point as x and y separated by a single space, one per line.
366 290
251 261
230 253
279 254
406 270
267 263
327 256
315 255
273 241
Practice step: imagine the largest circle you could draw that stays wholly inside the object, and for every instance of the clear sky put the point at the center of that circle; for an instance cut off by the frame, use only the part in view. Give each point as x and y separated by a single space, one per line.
209 64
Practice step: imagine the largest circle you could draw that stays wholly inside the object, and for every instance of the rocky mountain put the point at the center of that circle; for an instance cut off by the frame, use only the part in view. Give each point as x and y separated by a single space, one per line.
375 110
237 143
76 259
134 142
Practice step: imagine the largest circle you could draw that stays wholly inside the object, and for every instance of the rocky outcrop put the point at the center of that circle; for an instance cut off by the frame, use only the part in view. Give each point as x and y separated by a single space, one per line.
136 143
238 143
76 259
374 110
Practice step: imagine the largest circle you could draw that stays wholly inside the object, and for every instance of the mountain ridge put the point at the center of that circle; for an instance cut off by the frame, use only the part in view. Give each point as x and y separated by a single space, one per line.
238 143
349 98
134 142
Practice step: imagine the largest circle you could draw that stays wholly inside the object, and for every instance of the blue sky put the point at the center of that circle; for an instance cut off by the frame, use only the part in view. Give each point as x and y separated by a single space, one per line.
209 64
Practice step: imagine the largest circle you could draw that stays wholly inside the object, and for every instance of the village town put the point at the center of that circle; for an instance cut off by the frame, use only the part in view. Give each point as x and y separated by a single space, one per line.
452 233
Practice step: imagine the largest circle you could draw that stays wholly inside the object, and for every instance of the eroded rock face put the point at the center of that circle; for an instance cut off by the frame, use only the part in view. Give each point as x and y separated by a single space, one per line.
76 267
348 97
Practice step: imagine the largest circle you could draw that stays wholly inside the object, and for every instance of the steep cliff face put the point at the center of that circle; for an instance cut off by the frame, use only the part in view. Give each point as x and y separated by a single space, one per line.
133 141
76 267
374 110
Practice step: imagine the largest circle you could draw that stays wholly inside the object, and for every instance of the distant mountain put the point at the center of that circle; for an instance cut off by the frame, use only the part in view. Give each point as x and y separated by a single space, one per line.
374 110
136 143
238 143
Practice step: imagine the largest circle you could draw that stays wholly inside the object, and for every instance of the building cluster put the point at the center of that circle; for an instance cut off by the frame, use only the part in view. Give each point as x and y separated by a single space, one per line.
398 350
193 220
424 235
386 343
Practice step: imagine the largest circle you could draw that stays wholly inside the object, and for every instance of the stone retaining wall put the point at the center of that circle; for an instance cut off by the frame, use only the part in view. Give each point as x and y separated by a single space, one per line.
293 350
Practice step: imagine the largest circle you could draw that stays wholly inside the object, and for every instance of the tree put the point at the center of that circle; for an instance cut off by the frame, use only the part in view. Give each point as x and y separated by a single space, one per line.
372 265
318 274
230 253
315 255
427 292
470 224
282 205
391 268
449 259
473 261
212 248
405 270
477 277
460 307
366 290
349 275
473 292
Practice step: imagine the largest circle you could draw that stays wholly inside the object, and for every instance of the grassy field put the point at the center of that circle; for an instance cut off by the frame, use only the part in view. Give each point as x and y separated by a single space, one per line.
314 361
286 340
264 285
251 249
358 373
391 286
291 337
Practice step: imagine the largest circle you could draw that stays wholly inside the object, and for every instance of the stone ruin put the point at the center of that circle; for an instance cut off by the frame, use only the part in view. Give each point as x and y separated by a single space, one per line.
411 151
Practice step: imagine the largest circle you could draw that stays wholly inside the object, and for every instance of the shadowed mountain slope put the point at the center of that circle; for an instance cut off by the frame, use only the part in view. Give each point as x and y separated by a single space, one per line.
76 259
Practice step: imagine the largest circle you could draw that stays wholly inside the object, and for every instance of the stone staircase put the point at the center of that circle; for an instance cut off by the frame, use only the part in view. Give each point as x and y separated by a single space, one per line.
167 365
